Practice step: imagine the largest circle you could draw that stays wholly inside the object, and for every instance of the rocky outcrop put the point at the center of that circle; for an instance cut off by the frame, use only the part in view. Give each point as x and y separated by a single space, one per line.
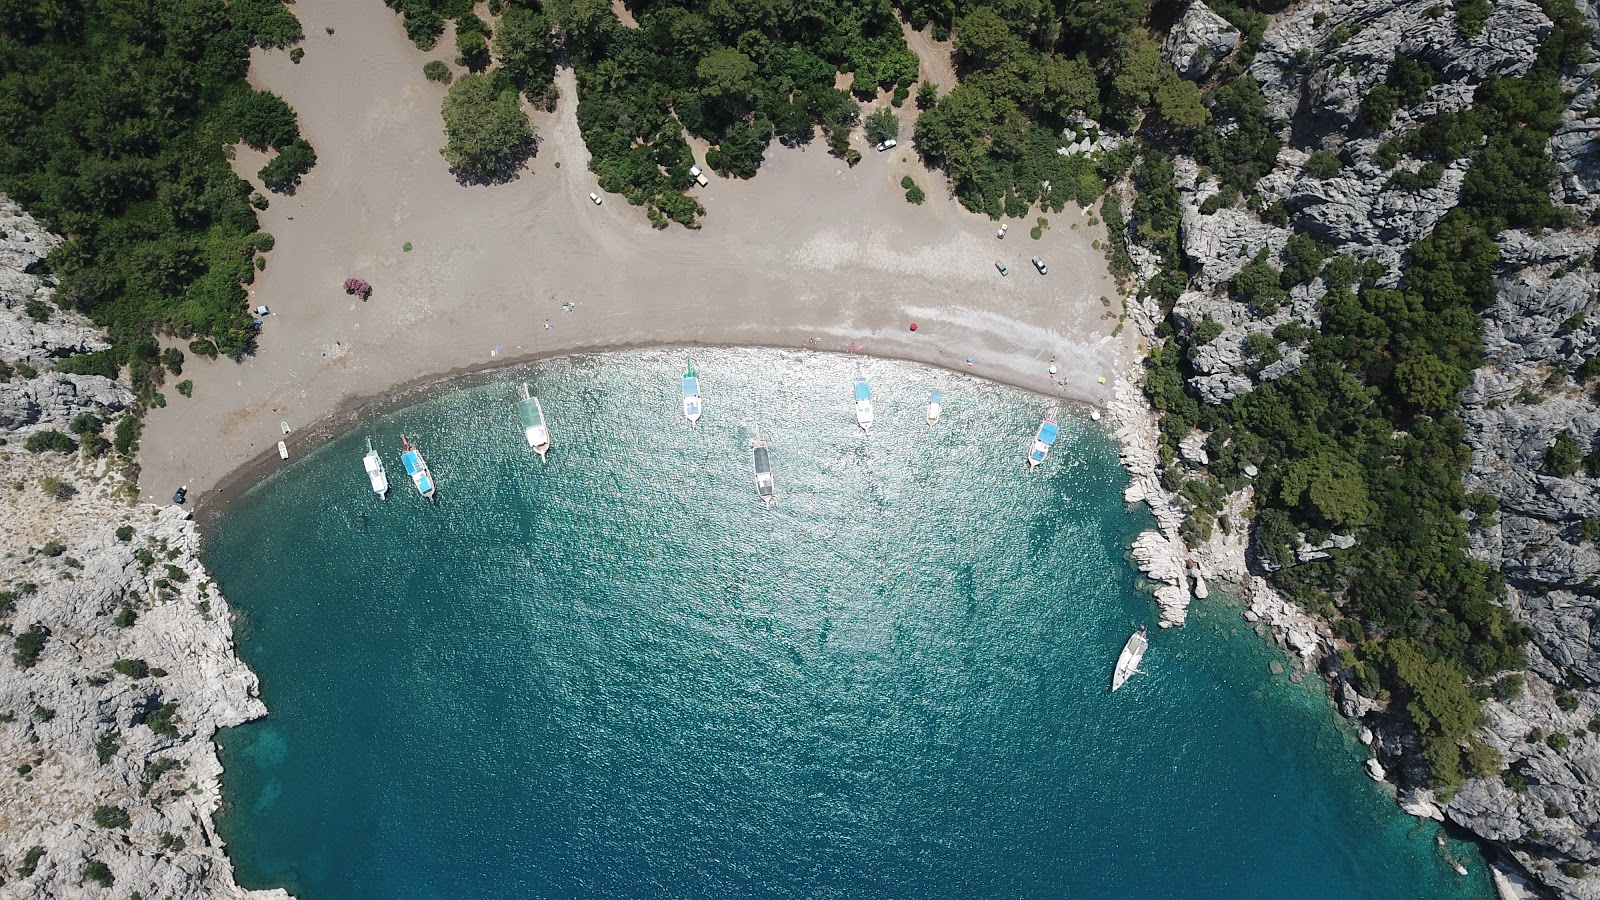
118 664
1199 40
1317 62
32 329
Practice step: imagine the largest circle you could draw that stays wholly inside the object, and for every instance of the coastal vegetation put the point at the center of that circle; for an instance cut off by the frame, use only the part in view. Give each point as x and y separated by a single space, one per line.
488 136
1366 439
116 132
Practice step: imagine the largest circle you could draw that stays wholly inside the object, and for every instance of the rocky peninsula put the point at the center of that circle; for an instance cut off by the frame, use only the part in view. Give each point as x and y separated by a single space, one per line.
119 663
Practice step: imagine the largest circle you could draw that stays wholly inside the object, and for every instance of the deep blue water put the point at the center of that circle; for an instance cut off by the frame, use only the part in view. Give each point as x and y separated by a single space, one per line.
617 675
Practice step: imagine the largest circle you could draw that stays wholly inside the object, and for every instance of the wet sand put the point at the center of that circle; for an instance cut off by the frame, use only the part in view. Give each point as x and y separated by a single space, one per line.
809 254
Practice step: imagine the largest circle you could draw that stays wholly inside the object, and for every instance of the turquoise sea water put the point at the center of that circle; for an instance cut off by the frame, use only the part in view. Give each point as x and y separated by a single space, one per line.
617 675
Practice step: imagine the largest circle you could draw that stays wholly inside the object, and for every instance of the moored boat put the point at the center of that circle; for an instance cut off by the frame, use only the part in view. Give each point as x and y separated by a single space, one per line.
417 468
691 393
1128 662
1043 441
935 406
863 402
534 428
375 473
763 470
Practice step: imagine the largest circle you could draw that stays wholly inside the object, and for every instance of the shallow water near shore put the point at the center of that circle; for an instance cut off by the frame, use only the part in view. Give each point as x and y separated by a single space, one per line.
617 675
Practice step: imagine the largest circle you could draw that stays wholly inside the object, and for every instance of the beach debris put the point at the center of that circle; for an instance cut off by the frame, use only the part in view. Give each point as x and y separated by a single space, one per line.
357 287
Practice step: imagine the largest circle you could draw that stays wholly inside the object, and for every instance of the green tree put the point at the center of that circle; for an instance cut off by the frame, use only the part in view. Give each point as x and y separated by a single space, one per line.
1428 384
927 95
472 50
1329 487
726 72
1068 84
488 136
1178 100
526 47
283 173
583 23
262 119
881 125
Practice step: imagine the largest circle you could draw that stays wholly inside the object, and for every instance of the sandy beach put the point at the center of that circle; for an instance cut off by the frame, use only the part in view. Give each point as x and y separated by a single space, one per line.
809 254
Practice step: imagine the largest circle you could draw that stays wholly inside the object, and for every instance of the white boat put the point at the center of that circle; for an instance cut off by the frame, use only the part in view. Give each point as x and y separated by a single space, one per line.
691 393
763 470
935 406
1043 441
533 425
1128 662
417 468
375 472
863 402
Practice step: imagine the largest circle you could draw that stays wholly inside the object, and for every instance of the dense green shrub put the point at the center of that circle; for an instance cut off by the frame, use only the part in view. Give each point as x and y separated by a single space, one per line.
99 873
50 440
111 817
132 668
27 646
1324 165
163 720
436 70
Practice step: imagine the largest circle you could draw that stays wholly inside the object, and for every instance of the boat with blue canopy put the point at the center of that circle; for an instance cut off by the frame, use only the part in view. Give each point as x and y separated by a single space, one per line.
1043 441
691 393
417 468
863 402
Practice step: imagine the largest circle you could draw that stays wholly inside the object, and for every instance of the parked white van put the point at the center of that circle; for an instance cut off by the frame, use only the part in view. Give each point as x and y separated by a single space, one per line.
890 144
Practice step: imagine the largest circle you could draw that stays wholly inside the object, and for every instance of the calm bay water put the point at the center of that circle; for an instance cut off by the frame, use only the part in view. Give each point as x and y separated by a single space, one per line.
617 675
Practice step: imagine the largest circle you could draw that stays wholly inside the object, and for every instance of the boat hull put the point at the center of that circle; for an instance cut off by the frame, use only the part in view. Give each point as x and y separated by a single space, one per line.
534 429
763 472
933 413
691 409
864 414
376 476
1128 662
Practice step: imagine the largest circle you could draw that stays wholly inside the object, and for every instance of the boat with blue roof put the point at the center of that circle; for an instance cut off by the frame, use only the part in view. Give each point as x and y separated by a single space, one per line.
1043 441
935 406
417 468
863 402
691 394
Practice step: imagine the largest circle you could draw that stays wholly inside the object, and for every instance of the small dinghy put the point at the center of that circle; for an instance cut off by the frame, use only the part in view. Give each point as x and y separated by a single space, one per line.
935 405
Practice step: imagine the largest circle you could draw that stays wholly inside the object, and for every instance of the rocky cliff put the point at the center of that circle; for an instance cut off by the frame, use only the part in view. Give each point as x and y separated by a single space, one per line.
1531 414
117 665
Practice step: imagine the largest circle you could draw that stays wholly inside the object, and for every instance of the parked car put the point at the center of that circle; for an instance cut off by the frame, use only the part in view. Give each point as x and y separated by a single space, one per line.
890 144
1002 232
698 176
595 197
180 495
262 310
1002 267
1039 264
